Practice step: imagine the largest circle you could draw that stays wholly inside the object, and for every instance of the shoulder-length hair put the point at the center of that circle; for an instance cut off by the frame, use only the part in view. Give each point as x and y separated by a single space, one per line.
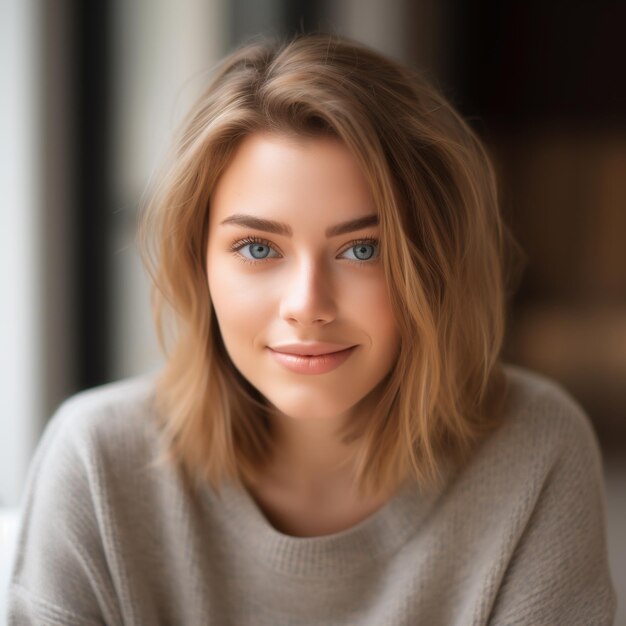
443 251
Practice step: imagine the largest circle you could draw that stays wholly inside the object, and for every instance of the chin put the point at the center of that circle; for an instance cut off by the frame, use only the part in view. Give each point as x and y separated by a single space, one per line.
309 413
308 406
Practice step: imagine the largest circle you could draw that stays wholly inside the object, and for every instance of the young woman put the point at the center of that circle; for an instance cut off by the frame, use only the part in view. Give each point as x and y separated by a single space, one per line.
334 438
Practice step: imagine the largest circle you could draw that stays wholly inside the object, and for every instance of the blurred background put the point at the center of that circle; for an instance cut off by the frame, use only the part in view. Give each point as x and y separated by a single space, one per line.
93 90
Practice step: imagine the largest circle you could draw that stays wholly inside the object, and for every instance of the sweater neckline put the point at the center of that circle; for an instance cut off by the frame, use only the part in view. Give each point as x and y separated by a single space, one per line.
343 553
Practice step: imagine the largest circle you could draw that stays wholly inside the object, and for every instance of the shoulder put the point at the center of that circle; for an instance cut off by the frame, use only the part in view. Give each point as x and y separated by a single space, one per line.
88 468
543 429
96 437
541 412
110 414
123 397
95 451
546 468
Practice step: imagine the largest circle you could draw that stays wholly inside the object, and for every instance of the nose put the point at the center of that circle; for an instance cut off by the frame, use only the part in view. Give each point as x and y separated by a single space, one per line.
308 295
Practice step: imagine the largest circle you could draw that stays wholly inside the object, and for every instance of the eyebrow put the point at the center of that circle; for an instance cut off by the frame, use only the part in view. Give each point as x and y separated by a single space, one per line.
278 228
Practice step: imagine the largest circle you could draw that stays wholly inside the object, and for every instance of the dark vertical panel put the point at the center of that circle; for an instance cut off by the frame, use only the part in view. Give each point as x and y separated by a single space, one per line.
304 16
93 189
283 18
523 63
58 200
251 18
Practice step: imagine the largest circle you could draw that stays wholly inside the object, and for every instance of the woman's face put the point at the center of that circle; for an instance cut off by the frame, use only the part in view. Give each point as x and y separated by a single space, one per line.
295 275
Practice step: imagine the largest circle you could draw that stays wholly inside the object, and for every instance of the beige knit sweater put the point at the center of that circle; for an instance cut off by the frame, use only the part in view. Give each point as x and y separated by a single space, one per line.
517 537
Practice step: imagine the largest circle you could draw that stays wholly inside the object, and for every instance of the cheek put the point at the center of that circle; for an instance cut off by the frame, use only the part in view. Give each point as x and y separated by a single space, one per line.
367 300
383 311
383 330
241 307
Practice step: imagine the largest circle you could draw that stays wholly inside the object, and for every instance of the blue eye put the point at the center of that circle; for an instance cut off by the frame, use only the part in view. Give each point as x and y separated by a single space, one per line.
362 251
258 250
253 250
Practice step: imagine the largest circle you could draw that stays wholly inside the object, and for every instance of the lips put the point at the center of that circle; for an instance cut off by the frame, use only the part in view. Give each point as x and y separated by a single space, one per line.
310 349
311 358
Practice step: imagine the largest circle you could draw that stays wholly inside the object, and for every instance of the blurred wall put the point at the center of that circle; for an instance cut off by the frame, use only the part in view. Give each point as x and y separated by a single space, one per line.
161 55
542 83
21 237
103 85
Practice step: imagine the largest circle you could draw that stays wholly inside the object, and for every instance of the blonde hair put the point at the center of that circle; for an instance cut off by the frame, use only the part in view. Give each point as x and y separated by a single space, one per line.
443 246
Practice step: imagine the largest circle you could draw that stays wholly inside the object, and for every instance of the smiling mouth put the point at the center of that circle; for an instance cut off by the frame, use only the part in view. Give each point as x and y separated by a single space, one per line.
321 363
313 348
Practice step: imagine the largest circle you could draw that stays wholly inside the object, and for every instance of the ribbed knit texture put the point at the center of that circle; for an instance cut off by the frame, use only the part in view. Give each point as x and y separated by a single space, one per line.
516 537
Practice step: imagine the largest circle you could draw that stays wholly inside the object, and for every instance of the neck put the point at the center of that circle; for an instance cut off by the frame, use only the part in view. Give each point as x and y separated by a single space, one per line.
308 454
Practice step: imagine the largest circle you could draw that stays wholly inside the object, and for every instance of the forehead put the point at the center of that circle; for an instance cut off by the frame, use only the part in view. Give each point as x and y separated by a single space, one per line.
313 181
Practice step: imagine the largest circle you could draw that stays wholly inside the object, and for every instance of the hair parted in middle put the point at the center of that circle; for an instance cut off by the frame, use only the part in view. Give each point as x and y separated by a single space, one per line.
443 244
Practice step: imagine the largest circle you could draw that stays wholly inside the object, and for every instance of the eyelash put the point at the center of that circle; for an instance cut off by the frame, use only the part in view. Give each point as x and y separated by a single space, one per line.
241 243
366 240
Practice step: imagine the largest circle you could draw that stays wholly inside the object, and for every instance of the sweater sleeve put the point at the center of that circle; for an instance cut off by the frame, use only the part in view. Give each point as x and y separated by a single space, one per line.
559 571
60 575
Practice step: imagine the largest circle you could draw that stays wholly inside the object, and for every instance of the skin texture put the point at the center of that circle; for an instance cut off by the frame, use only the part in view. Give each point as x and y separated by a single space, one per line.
309 287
